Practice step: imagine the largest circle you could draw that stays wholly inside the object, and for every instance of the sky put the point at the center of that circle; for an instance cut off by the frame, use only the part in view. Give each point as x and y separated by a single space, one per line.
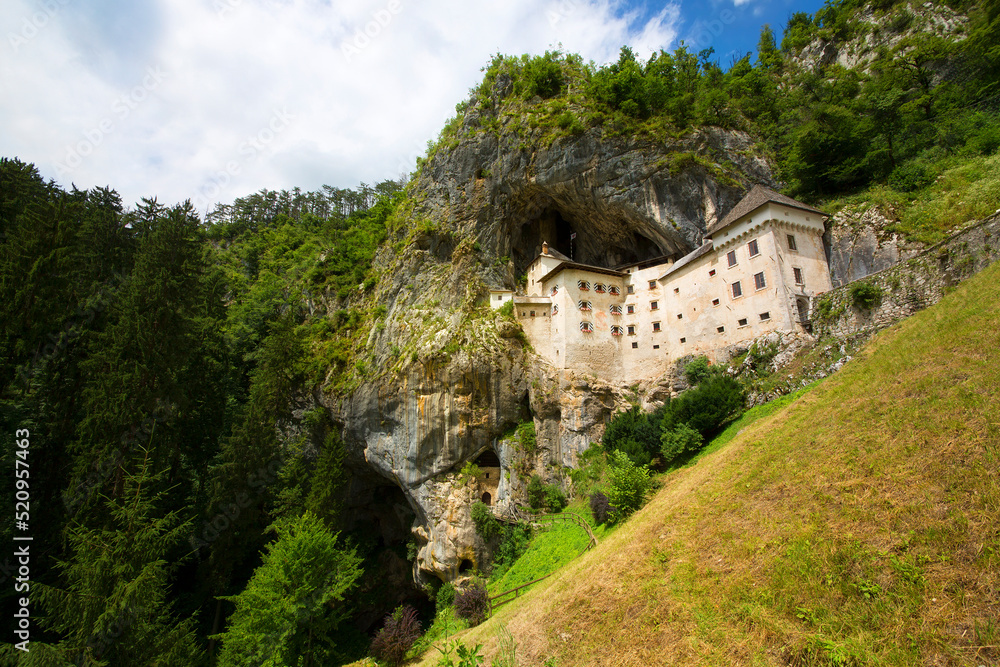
210 100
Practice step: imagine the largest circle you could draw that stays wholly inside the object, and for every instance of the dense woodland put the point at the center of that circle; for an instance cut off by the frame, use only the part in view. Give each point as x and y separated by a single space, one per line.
151 353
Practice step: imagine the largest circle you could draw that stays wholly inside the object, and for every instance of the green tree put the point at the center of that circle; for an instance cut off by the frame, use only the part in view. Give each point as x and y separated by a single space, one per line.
627 485
294 602
678 440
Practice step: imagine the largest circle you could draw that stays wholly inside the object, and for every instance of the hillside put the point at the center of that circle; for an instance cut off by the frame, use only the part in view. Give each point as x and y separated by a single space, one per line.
858 526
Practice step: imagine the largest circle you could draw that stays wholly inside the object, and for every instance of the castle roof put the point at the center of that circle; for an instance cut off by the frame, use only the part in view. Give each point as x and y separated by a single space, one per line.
757 197
690 257
583 267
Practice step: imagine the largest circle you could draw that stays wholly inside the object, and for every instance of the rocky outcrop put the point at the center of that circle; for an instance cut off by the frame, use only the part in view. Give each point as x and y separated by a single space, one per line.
861 242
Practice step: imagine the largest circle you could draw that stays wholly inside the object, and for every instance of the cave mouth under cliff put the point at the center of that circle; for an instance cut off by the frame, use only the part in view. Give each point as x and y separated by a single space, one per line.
608 243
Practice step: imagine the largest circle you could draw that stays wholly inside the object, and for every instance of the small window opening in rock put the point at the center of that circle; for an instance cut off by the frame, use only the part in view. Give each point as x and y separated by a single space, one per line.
487 499
466 566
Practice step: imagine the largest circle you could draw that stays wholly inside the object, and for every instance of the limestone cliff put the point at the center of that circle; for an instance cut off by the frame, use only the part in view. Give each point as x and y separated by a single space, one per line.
449 377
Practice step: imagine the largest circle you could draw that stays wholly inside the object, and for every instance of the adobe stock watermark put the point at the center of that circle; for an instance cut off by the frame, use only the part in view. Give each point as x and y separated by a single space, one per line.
32 25
562 11
363 36
121 108
224 7
706 32
248 150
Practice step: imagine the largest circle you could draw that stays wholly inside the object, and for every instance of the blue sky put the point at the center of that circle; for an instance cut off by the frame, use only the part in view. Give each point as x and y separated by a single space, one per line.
209 100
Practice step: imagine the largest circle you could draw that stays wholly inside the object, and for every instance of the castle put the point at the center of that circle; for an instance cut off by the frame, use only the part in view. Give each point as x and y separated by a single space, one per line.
758 270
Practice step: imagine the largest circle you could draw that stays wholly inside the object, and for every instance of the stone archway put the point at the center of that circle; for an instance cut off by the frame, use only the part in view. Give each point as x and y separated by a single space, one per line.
487 499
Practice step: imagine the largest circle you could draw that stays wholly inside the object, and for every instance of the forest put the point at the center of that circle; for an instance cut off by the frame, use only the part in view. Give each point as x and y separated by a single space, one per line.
154 358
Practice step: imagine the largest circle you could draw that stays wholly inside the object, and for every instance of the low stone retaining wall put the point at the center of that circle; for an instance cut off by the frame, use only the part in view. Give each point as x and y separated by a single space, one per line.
909 286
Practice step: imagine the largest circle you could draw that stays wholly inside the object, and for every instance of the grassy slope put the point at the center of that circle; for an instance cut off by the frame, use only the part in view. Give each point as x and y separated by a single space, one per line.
858 526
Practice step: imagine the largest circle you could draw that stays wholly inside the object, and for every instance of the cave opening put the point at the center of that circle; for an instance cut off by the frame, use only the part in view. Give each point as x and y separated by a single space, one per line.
466 566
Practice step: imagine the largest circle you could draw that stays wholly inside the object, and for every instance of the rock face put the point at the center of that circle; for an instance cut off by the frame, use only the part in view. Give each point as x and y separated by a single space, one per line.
450 378
860 242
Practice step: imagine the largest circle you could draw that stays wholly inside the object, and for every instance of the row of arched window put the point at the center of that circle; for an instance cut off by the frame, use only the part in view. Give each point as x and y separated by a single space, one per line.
588 327
586 305
600 288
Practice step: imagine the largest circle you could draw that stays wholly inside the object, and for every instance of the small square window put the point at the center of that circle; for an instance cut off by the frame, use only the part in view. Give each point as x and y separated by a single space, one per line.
656 326
631 330
798 276
731 257
758 280
721 329
653 305
532 313
737 290
631 309
631 289
711 273
791 243
652 284
656 347
680 316
753 248
683 340
742 322
715 302
499 297
635 345
677 290
764 317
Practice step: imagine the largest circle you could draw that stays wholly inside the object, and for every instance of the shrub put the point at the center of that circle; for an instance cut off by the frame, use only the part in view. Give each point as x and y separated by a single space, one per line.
536 492
697 370
600 507
543 76
513 542
636 433
507 310
473 602
911 176
445 597
627 486
865 295
705 408
681 438
401 630
555 499
486 524
526 436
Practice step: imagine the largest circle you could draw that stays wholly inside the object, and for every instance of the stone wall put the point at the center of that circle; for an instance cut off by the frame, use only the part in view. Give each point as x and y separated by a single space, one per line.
911 285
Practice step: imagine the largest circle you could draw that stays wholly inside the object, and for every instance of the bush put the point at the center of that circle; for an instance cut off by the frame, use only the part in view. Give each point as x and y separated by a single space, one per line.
401 630
536 492
705 408
486 524
513 543
911 176
555 499
865 295
526 436
543 76
445 597
627 486
697 370
473 602
682 438
636 433
600 507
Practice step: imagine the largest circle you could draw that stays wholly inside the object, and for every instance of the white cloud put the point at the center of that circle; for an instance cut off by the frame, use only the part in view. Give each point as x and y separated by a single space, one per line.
213 99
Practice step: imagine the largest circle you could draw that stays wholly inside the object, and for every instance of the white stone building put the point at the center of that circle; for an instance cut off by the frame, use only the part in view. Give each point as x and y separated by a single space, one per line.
758 270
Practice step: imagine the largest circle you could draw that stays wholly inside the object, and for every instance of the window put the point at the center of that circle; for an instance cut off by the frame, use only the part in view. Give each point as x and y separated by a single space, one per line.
631 330
499 297
631 309
555 290
532 313
654 305
652 284
615 310
677 290
737 290
656 347
584 305
617 330
742 321
791 243
555 308
798 276
721 329
614 289
680 316
656 326
711 273
631 289
758 280
586 327
731 257
635 345
683 340
715 302
583 285
753 248
599 288
764 317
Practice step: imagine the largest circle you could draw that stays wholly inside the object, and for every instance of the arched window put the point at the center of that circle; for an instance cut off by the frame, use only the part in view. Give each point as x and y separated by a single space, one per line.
615 310
599 288
555 290
614 289
555 308
583 285
617 331
585 305
586 327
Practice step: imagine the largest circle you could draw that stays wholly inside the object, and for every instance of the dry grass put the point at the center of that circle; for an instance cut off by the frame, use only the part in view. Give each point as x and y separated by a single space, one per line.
858 526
